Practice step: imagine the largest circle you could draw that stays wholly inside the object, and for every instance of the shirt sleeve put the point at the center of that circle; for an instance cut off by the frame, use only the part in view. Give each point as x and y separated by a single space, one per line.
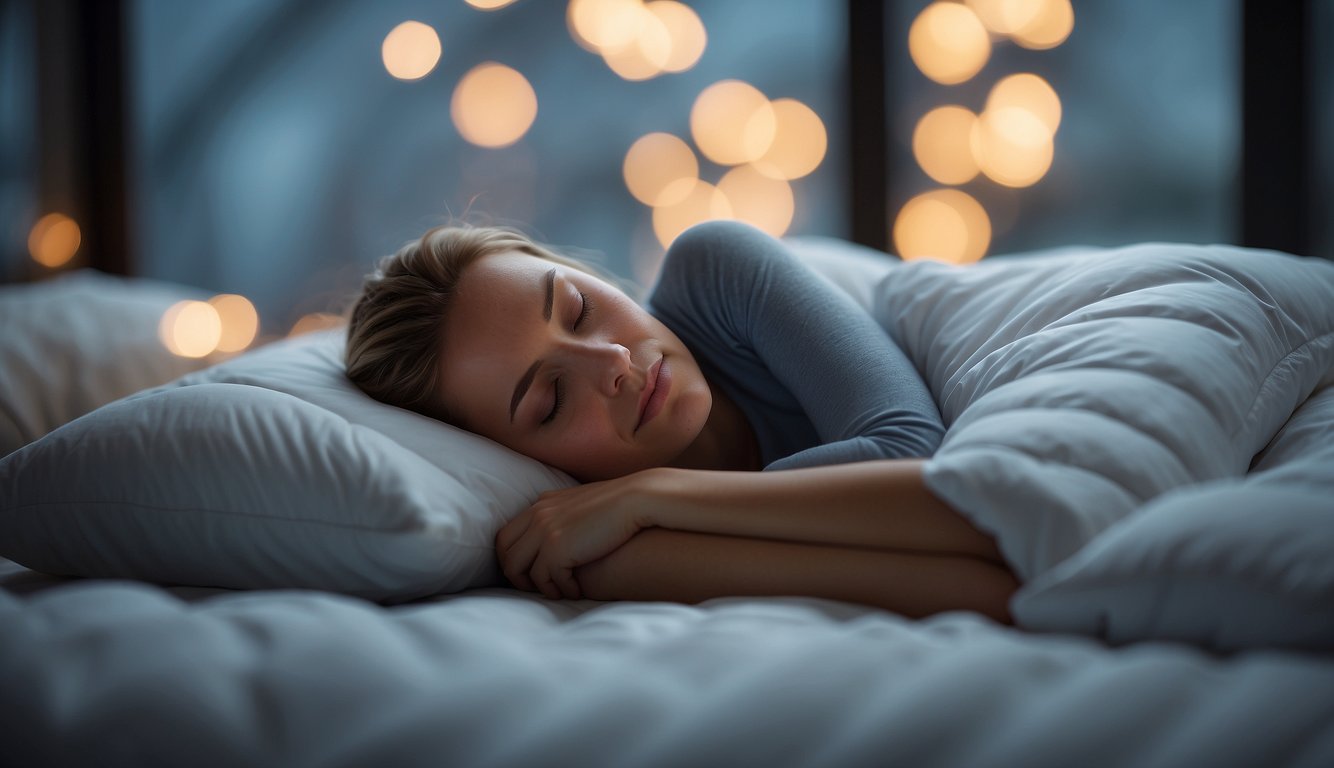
859 390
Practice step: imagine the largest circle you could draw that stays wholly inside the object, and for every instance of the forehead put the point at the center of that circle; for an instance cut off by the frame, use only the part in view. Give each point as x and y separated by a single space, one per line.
489 333
498 291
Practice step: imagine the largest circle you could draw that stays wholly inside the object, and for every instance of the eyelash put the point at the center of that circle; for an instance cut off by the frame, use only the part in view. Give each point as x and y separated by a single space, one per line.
588 307
560 388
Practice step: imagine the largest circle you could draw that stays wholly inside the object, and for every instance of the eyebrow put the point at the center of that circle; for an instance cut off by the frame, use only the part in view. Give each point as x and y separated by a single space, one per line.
526 381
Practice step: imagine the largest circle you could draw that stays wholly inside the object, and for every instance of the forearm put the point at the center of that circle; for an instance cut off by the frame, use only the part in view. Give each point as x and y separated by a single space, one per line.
660 564
881 505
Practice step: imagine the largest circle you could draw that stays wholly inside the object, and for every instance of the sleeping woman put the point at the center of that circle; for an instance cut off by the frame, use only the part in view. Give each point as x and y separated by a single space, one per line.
750 431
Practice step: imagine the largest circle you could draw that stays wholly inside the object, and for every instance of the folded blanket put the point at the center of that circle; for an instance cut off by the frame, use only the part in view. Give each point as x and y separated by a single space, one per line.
1080 388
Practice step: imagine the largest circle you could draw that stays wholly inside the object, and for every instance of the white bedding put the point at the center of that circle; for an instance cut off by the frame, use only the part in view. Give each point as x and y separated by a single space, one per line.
121 673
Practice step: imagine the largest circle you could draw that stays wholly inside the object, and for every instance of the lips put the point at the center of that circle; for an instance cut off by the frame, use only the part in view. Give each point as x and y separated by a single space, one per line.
652 381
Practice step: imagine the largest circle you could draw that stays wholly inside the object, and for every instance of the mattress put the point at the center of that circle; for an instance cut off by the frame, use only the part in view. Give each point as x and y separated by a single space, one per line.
122 673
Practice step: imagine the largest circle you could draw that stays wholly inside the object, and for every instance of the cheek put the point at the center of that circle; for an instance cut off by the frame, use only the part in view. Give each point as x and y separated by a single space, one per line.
586 435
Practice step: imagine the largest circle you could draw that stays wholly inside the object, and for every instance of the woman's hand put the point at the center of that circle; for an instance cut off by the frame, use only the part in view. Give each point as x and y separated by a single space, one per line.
540 548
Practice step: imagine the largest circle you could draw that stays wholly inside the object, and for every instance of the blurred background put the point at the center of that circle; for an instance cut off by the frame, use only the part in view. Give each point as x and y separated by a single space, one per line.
274 149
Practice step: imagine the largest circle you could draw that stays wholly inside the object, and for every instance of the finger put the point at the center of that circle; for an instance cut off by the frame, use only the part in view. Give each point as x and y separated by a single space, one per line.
549 569
517 562
512 530
546 586
564 578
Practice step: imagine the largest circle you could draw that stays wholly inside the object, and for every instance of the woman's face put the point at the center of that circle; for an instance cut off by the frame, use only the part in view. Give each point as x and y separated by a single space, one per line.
564 367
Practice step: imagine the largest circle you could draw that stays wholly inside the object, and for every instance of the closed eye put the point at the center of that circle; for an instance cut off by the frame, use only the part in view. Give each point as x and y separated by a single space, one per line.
584 312
560 401
586 308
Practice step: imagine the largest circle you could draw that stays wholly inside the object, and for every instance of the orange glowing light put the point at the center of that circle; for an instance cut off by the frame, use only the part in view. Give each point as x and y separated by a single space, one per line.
799 141
240 321
1029 92
54 240
941 144
759 200
948 43
493 105
685 30
660 169
703 202
1012 146
732 123
1048 27
190 329
599 25
944 224
646 55
315 321
410 50
489 5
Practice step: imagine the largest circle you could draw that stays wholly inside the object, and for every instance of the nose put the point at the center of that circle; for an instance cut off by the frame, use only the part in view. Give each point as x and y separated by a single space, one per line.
606 364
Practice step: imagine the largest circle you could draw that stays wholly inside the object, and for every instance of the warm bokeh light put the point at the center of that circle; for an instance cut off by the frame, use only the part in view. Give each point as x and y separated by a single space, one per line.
948 43
704 202
411 50
315 321
599 25
992 14
941 144
686 31
1029 92
54 240
1012 146
799 141
1036 24
660 169
758 200
732 123
646 55
240 321
944 224
1048 27
489 5
191 329
493 105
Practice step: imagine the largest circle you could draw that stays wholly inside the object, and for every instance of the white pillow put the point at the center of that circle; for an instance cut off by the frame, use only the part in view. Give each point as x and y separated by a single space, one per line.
79 341
274 470
271 470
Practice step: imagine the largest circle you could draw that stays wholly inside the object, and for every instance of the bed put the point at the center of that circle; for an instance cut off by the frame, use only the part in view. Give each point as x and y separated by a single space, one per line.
248 565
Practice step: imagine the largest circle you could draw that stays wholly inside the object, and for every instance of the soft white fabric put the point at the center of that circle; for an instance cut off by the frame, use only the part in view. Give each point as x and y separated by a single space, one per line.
79 341
120 674
271 470
1230 564
1080 389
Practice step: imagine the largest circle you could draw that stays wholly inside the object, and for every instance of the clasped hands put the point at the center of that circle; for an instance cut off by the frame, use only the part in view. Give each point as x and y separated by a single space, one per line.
564 529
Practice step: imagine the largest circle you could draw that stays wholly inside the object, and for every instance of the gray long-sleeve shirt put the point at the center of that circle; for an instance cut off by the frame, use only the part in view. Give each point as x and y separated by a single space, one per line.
818 379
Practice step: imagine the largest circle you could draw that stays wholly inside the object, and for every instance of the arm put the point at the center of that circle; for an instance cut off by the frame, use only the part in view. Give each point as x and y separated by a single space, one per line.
874 505
660 564
879 507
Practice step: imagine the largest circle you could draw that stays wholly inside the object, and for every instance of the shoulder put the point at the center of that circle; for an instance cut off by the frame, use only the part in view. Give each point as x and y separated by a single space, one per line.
724 242
727 257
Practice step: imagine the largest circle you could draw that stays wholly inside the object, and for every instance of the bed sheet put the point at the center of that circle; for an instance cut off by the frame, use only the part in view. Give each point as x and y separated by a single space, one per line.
123 673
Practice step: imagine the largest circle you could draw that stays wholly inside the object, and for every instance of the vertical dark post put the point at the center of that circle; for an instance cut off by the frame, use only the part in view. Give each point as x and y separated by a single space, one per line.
1276 137
81 104
868 140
